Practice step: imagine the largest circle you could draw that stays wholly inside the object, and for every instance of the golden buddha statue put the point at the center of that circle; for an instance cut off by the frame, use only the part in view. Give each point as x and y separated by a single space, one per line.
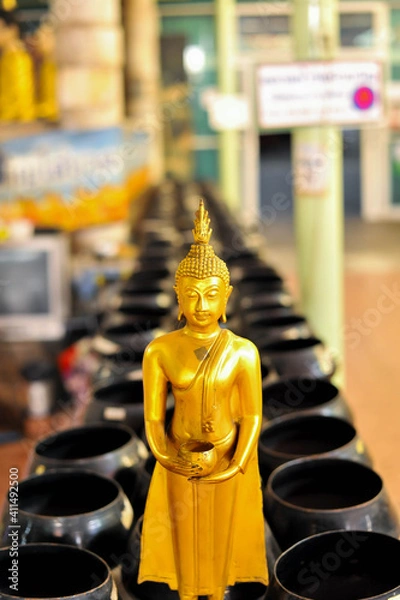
17 87
203 527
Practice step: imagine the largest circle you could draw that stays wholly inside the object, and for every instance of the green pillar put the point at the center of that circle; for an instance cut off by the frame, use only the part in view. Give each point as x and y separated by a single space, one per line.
225 15
318 190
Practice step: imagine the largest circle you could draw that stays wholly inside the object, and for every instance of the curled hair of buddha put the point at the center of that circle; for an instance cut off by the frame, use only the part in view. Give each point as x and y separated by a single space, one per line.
201 260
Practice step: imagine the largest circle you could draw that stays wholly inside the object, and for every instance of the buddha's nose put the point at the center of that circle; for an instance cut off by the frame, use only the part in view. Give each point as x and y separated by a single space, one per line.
201 304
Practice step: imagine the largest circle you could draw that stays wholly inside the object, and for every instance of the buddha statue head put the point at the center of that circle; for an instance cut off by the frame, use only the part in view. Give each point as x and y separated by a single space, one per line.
202 281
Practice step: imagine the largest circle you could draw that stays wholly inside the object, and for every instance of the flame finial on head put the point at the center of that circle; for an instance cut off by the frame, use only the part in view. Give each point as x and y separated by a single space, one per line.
201 260
202 231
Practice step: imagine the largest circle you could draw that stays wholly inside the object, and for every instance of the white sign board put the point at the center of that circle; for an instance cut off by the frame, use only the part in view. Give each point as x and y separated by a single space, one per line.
316 93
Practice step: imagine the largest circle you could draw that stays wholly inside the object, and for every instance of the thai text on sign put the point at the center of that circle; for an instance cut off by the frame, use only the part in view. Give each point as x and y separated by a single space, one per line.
301 94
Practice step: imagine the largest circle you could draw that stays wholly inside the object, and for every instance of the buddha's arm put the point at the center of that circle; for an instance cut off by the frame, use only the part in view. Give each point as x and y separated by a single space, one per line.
155 400
155 385
250 394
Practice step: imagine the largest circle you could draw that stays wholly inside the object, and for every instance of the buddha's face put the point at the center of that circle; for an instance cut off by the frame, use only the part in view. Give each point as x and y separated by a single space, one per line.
202 301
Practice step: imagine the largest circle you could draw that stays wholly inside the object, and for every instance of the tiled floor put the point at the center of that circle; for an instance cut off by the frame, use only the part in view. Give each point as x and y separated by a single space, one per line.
373 369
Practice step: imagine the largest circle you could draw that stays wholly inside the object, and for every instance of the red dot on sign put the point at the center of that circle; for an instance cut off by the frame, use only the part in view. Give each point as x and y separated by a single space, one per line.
363 98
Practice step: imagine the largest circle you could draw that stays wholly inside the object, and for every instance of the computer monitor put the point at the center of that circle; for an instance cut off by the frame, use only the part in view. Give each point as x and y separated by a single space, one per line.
34 288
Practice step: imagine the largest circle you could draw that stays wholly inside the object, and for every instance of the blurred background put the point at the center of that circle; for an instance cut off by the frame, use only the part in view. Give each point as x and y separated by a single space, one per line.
112 110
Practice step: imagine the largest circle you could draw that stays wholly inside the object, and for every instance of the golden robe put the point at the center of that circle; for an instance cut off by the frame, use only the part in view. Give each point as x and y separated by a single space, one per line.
221 523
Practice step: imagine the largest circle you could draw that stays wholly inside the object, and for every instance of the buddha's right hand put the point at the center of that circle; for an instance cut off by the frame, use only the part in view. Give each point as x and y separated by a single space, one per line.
166 454
183 467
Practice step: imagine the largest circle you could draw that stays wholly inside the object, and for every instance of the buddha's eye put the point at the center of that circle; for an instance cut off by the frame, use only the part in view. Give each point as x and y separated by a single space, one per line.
212 295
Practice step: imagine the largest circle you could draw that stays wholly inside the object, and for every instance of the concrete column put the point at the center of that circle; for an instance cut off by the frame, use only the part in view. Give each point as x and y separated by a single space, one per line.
90 57
225 16
141 21
318 193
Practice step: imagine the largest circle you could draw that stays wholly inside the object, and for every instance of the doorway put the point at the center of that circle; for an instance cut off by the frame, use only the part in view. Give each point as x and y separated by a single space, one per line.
276 174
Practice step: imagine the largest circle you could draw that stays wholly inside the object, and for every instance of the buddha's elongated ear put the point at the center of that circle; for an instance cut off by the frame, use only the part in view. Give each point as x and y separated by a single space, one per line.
228 293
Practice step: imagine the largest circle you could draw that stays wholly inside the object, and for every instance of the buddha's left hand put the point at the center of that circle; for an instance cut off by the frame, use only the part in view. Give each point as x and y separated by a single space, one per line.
219 477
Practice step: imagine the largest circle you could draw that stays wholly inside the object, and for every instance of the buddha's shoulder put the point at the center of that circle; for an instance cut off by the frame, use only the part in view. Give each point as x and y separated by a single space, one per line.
163 344
240 344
